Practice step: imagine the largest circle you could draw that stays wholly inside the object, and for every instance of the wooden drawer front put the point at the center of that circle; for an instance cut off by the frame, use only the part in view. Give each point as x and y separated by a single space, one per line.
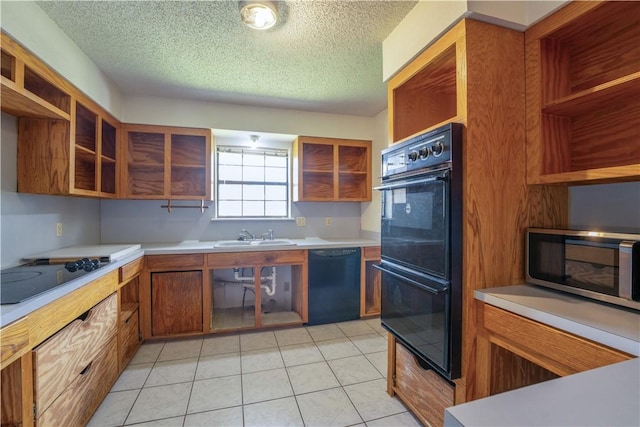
129 338
51 318
131 270
14 340
371 252
59 360
78 402
175 261
243 259
560 352
425 392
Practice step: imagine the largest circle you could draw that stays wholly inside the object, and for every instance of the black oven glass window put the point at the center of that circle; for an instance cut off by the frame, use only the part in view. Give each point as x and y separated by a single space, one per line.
419 317
415 226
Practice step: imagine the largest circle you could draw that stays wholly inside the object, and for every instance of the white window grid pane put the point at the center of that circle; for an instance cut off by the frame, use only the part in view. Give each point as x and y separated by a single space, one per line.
253 192
252 208
242 176
229 208
276 192
229 173
275 208
275 174
229 158
230 192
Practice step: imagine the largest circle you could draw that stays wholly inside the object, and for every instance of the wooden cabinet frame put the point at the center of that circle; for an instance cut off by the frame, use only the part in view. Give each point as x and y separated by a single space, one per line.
583 92
474 75
331 170
66 142
163 162
534 352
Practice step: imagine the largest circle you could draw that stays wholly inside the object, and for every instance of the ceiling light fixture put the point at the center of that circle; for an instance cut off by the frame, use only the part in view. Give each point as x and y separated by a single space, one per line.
259 15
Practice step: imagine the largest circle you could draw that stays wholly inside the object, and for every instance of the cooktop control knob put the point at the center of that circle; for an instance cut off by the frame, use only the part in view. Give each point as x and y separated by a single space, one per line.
85 264
437 149
424 152
413 156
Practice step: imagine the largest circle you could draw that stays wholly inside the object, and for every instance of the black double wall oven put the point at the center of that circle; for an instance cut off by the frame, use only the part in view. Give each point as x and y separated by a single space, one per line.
421 243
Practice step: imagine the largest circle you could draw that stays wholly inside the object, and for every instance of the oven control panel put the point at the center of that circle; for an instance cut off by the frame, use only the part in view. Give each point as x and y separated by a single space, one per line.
427 150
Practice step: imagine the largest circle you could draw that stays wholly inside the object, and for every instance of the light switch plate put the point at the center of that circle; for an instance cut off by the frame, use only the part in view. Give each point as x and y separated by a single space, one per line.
301 221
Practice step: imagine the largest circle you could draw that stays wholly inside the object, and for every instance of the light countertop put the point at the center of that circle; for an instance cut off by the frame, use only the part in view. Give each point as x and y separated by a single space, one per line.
190 246
604 396
12 312
127 253
618 328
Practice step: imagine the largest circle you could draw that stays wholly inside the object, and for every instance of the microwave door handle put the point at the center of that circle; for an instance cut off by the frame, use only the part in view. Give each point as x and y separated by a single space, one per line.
413 282
405 184
627 253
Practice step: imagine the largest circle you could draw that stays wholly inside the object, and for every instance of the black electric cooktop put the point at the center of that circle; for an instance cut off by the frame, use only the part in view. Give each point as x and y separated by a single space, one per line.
28 280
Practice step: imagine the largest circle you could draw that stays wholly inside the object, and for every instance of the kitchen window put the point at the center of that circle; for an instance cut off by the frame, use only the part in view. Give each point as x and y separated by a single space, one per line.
252 183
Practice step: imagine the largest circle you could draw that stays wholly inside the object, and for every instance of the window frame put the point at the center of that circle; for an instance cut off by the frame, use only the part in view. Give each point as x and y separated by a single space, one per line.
242 150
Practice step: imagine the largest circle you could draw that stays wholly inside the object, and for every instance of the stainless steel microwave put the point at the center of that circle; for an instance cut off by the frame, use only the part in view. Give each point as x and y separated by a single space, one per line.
598 265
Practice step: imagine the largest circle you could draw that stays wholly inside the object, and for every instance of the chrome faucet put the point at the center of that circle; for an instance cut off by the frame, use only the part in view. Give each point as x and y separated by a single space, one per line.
244 234
268 234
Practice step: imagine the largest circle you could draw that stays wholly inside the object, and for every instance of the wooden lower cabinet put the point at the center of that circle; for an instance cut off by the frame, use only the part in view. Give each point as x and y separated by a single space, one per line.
129 336
371 286
423 390
176 303
513 351
75 368
77 403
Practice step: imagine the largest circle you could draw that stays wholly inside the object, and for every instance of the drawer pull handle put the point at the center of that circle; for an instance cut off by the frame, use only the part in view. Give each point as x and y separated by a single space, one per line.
85 370
84 316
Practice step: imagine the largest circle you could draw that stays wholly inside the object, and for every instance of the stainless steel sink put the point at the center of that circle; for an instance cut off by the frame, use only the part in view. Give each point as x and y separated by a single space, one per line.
244 243
275 242
231 243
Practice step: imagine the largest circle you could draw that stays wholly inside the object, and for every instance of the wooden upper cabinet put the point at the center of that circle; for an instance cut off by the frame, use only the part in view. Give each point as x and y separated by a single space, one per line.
29 87
62 157
66 142
166 162
583 94
329 170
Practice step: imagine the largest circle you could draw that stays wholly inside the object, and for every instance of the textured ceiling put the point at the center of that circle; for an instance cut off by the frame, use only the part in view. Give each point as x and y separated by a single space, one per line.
322 56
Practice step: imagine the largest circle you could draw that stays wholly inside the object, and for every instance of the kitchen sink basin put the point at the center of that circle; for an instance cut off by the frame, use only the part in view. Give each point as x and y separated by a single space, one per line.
232 244
243 243
275 242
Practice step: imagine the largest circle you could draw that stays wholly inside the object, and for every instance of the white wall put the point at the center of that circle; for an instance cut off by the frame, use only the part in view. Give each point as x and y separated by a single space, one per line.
429 19
28 221
181 112
370 211
28 24
605 207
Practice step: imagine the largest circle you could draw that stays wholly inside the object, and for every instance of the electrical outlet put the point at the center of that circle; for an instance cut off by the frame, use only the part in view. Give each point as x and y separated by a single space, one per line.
59 229
287 287
301 221
328 221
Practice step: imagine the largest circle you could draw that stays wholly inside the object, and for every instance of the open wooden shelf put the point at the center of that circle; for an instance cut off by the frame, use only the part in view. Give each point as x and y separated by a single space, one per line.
583 95
437 85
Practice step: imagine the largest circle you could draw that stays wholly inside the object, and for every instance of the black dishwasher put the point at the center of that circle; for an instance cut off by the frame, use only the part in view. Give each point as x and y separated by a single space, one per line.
334 285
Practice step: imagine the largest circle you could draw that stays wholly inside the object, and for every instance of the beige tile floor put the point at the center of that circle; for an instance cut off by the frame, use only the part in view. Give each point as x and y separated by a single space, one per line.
325 375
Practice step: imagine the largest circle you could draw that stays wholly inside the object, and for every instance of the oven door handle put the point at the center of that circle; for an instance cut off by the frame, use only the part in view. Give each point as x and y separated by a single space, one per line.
406 183
413 282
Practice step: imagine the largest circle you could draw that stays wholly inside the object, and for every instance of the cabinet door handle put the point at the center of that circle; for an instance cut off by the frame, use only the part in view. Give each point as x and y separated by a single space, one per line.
86 369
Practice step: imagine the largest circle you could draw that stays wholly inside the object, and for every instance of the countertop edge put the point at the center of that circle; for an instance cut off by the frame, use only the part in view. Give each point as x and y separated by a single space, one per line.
566 401
11 312
600 334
